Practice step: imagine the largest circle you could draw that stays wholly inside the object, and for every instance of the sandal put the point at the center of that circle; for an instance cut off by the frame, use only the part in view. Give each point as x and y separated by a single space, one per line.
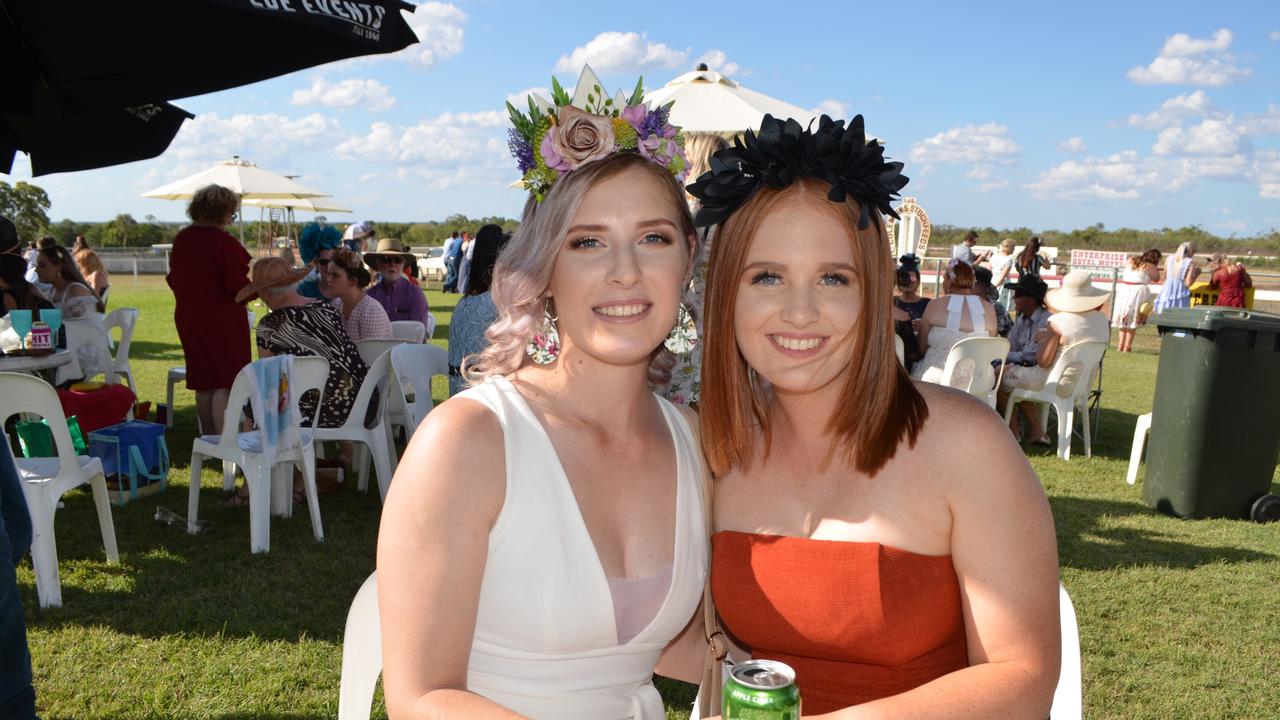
1042 441
239 498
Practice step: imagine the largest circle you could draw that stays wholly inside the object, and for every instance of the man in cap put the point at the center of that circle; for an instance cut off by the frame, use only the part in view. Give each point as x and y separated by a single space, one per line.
398 296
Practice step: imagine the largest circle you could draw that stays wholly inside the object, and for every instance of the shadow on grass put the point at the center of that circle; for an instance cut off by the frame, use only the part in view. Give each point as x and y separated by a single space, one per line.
1087 543
147 350
1112 437
169 582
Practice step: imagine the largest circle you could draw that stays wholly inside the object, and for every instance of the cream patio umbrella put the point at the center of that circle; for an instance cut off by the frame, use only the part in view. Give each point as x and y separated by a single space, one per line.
244 178
292 205
706 101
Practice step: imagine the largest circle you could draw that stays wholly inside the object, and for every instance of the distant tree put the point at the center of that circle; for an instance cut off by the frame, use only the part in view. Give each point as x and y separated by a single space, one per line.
120 231
27 206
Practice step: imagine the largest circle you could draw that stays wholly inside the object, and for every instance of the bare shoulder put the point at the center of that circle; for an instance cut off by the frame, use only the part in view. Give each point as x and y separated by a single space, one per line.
979 451
455 457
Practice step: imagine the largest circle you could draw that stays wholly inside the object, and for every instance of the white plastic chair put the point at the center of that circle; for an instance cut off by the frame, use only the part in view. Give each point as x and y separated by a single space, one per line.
1140 432
91 346
44 480
980 353
361 654
376 439
412 367
1068 697
126 319
268 489
411 330
1067 391
371 350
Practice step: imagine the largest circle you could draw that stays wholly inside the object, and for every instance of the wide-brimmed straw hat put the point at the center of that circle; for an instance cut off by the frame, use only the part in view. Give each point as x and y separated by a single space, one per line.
270 273
1077 293
387 247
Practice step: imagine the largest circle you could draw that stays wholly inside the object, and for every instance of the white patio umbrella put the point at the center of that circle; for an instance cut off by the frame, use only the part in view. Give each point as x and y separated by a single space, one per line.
706 101
317 204
244 178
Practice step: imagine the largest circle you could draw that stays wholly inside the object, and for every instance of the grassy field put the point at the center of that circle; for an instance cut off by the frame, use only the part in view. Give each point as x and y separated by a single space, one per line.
1179 619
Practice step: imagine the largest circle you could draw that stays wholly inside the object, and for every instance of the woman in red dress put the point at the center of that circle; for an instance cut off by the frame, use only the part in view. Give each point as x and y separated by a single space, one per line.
1230 281
208 267
859 537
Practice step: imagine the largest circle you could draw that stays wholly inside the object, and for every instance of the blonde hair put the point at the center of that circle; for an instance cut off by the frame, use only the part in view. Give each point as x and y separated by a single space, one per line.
1007 245
698 149
523 270
89 262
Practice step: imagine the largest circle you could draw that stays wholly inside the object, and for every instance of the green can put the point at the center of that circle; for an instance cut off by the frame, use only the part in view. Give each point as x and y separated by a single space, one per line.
761 690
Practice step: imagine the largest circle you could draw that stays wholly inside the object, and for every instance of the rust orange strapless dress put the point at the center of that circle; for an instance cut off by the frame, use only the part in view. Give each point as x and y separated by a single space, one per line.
857 621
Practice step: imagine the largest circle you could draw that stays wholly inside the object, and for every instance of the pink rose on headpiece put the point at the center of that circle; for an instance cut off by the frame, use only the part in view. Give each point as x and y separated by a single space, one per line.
580 137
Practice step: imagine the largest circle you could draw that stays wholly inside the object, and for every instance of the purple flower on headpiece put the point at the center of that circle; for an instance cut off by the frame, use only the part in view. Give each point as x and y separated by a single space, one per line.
635 115
658 149
549 154
655 123
521 150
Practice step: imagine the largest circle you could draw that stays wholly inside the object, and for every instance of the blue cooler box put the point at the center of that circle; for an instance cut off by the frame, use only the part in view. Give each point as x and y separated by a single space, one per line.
135 450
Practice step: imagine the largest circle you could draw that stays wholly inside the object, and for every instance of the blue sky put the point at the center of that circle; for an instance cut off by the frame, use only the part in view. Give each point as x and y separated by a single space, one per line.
1049 116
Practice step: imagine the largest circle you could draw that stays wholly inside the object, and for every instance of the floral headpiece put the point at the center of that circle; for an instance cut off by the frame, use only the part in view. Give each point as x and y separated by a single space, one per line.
563 134
784 152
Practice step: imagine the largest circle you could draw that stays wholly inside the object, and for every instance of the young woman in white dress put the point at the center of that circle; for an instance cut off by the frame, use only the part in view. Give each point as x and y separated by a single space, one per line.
543 544
948 319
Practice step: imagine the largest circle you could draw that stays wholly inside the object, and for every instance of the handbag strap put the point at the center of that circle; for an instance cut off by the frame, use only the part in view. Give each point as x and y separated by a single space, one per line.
712 686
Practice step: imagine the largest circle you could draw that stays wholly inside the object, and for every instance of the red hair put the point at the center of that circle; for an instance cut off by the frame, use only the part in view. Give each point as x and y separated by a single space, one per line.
879 406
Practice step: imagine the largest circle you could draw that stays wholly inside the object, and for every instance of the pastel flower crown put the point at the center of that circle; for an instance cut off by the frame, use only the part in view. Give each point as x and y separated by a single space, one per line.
782 152
560 135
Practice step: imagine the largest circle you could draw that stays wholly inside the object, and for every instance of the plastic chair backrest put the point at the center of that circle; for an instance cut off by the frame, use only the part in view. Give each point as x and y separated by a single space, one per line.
413 367
410 330
125 319
310 373
89 342
361 653
1074 368
378 378
29 394
1068 698
371 350
980 352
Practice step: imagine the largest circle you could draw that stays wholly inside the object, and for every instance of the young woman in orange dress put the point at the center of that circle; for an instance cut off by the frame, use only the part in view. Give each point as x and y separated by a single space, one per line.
886 539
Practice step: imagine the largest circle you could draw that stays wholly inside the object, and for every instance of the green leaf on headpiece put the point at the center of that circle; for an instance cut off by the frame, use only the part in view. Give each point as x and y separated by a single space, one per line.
637 95
558 94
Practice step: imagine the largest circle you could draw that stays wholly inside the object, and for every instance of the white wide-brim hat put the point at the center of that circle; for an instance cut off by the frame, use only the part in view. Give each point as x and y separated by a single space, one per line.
1077 293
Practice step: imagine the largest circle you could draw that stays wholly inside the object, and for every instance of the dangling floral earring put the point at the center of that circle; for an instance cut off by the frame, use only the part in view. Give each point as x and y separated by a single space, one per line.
544 348
684 336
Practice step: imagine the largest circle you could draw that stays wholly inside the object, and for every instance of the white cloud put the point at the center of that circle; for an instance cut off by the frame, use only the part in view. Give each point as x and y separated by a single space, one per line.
980 172
1073 145
370 95
619 52
989 143
1209 138
1128 176
446 142
716 60
1185 60
439 28
993 185
521 99
836 109
1275 35
266 140
1176 109
1266 168
1267 123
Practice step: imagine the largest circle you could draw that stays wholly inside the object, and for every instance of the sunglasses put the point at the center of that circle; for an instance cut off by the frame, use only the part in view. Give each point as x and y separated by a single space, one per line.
323 261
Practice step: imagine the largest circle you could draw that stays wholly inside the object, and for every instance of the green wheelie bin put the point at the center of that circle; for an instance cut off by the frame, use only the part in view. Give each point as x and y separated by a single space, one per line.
1215 427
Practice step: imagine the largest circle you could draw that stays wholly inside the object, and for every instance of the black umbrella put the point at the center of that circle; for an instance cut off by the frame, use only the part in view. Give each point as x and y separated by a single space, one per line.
132 52
59 140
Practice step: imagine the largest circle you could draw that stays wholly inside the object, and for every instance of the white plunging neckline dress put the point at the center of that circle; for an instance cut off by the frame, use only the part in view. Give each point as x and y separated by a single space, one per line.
546 642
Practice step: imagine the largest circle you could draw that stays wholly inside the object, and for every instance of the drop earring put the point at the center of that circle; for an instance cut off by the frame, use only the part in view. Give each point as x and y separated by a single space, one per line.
684 335
544 347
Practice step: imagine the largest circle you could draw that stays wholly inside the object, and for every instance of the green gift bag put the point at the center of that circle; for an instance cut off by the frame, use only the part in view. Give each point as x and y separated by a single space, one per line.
36 438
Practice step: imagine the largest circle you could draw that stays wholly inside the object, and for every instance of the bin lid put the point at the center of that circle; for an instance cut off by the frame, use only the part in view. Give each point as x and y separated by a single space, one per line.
1211 317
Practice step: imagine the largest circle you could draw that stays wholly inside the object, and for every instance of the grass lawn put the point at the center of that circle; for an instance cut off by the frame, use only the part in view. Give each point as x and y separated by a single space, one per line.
1178 619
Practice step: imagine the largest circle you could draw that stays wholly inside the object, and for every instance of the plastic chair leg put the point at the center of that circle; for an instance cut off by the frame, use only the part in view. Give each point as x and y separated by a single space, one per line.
193 493
105 523
258 480
168 401
1084 423
44 549
360 465
309 489
1066 421
390 435
281 490
1139 446
228 476
381 461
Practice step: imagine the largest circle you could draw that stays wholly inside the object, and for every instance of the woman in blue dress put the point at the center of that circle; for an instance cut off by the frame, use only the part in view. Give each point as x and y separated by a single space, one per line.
1180 274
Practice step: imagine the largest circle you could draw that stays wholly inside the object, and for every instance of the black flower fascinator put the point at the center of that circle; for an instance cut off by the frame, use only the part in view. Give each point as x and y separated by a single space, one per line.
784 152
